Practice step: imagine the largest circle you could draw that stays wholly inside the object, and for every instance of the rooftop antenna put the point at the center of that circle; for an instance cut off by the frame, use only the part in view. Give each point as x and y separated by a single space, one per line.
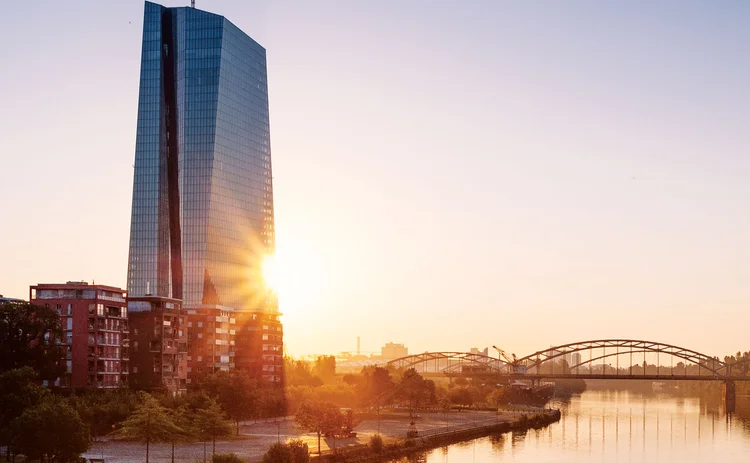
192 3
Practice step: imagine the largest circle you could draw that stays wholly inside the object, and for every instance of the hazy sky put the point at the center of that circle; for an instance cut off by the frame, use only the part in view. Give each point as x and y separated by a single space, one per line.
447 174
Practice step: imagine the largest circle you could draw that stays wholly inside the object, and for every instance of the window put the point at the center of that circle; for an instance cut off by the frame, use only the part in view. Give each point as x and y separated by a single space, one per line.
135 369
69 323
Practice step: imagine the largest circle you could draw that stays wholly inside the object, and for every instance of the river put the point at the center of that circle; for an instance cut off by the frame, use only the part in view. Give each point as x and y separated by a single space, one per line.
620 426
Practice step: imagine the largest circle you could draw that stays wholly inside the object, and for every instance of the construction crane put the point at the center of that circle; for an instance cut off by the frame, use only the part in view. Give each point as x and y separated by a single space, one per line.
513 363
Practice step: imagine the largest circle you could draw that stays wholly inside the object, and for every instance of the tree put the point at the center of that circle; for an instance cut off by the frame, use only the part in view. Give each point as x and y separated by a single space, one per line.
271 402
377 383
50 431
341 394
461 396
237 394
320 418
299 373
149 423
101 410
497 396
212 423
19 390
296 396
325 367
415 390
30 336
182 417
377 387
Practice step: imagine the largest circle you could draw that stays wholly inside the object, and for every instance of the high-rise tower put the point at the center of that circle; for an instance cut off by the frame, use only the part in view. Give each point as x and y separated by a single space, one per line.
202 219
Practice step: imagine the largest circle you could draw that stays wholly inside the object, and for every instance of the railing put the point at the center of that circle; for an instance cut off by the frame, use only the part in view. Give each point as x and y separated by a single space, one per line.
466 426
450 429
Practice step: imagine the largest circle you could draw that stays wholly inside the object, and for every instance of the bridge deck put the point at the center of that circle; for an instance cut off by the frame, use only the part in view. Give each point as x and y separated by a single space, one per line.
631 377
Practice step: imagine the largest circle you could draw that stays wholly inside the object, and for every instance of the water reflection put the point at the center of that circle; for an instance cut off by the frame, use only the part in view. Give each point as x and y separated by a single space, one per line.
620 426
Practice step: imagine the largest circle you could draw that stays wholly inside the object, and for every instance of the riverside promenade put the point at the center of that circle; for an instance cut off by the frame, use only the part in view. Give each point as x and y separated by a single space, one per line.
255 437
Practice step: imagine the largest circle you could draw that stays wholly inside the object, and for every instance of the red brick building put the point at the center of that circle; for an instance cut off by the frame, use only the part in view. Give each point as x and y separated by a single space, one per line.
259 345
211 341
158 344
94 321
221 339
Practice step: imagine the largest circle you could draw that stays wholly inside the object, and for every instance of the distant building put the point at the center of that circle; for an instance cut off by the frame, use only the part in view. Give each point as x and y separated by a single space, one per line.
575 359
393 351
94 320
10 299
158 344
475 350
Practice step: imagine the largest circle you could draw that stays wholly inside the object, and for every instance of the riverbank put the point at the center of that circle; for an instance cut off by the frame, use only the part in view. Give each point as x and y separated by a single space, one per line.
425 441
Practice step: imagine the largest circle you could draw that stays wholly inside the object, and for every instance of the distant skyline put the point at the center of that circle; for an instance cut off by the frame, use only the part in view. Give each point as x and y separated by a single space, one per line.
446 175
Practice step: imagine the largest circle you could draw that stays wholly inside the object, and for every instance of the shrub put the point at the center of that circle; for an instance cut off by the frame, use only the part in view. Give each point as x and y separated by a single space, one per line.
277 453
376 443
392 447
227 458
295 451
298 451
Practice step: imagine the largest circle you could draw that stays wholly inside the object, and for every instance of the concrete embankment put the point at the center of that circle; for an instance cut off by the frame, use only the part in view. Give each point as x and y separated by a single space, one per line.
440 438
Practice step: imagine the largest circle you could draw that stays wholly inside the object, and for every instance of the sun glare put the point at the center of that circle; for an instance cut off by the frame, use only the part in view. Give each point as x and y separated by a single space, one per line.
270 272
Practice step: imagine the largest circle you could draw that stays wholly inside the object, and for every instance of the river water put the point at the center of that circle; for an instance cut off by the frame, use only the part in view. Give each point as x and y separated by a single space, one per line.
620 426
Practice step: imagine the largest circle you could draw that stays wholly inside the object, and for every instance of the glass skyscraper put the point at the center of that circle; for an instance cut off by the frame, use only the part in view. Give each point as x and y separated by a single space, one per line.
202 217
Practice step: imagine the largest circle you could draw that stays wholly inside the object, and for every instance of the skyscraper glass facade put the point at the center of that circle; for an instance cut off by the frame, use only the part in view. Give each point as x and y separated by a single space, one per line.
202 217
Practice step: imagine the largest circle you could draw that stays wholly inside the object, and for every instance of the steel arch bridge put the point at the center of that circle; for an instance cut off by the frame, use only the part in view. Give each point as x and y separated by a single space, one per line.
445 362
555 362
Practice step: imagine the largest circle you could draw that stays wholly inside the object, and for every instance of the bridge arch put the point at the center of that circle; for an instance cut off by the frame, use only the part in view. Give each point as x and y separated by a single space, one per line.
441 361
711 366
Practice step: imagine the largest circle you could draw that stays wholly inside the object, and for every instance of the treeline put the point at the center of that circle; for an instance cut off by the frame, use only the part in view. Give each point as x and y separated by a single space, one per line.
376 387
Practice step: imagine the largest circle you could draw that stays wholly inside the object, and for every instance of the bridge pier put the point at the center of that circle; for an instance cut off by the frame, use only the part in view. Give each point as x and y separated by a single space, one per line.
730 396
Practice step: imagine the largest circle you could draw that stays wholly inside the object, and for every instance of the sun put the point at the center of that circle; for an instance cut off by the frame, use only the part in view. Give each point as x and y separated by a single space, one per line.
270 272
